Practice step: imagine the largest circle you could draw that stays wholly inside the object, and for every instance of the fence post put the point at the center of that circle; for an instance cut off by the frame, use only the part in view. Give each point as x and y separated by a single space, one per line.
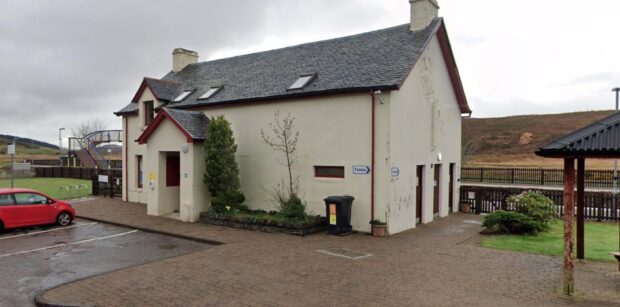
95 184
481 174
111 185
512 175
542 176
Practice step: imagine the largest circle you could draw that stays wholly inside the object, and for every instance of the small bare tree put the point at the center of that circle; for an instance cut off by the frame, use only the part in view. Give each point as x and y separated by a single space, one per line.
284 140
87 127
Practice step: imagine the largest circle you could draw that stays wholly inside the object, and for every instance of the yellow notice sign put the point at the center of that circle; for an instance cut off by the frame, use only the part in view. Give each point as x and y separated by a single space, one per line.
152 176
332 214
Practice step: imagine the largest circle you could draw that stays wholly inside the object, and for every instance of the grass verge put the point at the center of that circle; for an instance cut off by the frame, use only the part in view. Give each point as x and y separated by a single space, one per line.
49 186
600 240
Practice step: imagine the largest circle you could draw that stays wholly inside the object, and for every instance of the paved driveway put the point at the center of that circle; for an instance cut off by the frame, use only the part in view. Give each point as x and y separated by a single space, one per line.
439 264
35 259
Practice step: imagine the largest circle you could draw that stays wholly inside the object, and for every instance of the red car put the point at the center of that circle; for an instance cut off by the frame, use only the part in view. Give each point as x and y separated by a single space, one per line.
25 207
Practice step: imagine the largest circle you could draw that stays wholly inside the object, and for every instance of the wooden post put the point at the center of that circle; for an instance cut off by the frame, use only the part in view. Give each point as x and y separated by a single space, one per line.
581 202
569 212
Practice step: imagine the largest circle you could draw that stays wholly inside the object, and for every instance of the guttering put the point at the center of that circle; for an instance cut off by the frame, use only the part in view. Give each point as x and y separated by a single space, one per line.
372 156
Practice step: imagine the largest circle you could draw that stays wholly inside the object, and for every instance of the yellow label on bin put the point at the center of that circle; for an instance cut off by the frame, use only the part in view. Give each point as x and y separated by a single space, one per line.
332 214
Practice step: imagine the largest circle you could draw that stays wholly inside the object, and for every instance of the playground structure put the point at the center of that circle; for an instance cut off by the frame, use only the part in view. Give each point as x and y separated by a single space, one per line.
85 149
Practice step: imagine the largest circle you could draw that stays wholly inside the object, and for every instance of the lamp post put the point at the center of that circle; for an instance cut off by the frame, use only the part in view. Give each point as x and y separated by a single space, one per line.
11 150
60 144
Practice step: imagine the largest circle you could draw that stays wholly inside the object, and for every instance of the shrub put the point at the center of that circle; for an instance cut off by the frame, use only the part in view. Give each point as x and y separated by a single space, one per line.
513 223
535 205
221 169
293 208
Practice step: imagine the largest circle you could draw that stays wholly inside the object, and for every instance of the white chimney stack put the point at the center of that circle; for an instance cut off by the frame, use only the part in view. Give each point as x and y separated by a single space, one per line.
183 57
422 13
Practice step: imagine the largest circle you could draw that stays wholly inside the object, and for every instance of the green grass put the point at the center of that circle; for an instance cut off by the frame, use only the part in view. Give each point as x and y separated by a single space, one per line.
49 186
600 240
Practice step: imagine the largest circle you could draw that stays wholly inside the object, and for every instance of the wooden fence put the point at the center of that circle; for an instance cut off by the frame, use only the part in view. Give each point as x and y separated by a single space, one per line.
594 178
598 205
75 172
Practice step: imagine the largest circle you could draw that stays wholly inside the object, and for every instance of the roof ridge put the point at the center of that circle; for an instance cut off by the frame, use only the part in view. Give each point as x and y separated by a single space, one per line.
310 43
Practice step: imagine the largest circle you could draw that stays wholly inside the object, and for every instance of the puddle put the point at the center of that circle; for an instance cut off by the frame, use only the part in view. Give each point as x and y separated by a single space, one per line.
472 222
167 246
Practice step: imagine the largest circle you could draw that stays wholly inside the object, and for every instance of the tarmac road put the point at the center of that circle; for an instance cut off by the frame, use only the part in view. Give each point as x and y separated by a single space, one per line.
35 259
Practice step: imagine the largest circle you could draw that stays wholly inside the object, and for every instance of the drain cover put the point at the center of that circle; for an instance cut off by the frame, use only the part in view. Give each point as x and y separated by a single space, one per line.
344 253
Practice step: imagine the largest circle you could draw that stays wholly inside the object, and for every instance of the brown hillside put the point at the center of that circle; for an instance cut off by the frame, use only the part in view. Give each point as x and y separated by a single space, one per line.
511 141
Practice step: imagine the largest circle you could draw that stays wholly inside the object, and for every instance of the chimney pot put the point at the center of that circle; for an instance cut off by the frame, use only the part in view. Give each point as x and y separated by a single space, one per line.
422 13
183 57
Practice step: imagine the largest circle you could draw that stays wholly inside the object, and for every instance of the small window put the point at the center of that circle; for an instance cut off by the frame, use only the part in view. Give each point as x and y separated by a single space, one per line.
302 82
209 93
148 113
6 200
30 199
140 181
329 171
182 96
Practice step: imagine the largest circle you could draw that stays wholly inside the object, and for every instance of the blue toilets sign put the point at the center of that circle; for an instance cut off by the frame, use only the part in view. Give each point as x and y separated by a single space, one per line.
361 169
395 172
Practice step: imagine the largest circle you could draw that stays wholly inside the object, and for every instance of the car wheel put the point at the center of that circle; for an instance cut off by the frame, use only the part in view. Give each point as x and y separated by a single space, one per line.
63 219
1 227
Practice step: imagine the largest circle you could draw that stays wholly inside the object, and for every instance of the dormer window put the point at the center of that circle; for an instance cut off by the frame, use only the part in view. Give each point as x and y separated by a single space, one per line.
302 82
210 92
182 96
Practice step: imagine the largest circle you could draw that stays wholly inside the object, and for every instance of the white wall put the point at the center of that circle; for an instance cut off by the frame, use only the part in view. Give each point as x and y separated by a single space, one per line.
426 121
334 131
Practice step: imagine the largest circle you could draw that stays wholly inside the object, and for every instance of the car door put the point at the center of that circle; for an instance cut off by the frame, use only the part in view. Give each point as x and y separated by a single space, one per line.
9 211
34 209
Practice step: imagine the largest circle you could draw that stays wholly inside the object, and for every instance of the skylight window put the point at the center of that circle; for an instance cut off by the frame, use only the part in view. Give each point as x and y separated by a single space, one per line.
182 96
210 92
301 82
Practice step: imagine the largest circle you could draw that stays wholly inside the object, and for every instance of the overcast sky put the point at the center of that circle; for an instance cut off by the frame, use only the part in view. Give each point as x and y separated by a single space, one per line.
63 62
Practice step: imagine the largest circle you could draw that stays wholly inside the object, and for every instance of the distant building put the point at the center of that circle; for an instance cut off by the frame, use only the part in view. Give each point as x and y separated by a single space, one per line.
379 115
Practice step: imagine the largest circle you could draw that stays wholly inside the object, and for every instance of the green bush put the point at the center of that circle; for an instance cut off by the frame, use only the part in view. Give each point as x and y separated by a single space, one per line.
221 169
513 223
535 205
293 208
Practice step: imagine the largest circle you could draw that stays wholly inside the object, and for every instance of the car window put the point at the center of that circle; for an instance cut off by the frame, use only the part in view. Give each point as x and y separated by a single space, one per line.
6 199
30 199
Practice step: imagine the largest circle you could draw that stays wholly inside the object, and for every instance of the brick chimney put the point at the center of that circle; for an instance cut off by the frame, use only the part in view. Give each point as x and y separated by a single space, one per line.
183 57
422 13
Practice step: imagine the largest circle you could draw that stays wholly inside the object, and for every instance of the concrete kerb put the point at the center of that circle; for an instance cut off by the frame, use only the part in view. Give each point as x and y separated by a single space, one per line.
150 230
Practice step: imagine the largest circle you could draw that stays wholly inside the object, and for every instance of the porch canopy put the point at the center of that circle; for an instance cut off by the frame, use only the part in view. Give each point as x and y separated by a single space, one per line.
599 140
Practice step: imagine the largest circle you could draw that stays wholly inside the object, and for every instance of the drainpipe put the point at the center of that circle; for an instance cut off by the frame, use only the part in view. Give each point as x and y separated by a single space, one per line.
125 163
372 156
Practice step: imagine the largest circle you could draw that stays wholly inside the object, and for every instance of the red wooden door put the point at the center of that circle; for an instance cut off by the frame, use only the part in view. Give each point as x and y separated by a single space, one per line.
451 187
418 193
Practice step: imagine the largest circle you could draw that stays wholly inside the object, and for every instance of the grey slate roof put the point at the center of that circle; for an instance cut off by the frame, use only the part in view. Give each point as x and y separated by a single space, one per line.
193 122
165 90
600 139
374 60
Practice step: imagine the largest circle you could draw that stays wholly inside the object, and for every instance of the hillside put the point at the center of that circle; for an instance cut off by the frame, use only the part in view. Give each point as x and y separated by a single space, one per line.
511 141
24 143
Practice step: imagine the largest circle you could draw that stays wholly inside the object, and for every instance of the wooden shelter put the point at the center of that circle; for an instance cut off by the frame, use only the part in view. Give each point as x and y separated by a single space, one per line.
599 140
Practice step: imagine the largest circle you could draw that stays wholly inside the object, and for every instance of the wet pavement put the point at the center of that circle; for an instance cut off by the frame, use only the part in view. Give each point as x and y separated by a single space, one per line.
35 259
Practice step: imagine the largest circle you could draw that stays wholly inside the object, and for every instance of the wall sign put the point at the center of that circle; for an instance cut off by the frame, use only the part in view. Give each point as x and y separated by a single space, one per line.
361 169
102 178
395 171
